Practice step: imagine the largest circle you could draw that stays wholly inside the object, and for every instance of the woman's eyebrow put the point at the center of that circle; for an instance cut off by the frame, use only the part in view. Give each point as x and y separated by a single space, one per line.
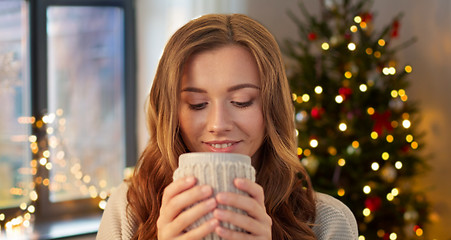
241 86
230 89
193 89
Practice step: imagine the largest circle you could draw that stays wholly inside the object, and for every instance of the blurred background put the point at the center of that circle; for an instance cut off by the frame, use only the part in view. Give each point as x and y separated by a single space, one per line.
78 86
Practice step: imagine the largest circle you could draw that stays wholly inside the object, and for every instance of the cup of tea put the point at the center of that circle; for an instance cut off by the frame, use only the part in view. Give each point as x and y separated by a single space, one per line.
217 170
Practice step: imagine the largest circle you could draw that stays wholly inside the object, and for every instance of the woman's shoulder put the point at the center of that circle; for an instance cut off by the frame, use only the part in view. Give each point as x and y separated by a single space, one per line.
117 222
334 220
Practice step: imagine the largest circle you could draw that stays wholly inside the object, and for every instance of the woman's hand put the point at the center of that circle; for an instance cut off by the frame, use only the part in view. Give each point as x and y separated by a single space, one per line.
173 219
258 223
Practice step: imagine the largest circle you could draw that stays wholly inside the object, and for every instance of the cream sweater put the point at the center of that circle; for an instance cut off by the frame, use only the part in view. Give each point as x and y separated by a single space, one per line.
334 220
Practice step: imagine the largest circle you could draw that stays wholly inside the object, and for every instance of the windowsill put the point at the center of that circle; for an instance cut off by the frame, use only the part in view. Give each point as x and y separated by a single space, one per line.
57 229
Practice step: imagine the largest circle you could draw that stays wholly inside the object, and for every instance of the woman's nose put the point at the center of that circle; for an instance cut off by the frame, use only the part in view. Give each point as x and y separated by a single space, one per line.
219 119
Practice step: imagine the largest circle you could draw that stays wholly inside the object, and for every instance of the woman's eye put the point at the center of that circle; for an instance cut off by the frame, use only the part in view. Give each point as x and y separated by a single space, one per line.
242 104
199 106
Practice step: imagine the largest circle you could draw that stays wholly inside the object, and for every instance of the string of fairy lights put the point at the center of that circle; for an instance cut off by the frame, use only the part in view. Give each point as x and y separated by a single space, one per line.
41 152
399 97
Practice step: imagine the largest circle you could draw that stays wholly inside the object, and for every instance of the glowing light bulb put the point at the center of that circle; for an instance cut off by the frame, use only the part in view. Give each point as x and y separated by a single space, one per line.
366 212
390 197
385 155
394 93
393 236
348 74
342 127
363 25
375 166
353 28
406 123
351 46
339 99
341 192
408 69
357 19
102 204
398 165
325 46
314 143
395 192
341 162
367 189
305 97
381 42
318 89
374 135
363 87
409 138
389 138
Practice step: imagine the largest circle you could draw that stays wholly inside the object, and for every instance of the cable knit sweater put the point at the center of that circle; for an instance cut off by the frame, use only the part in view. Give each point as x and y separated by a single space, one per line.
334 220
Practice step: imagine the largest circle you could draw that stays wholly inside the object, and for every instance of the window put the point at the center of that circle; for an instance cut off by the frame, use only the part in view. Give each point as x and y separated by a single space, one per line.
15 92
66 74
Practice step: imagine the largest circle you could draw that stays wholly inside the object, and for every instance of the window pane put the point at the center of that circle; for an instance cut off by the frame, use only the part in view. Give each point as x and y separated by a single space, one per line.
15 155
85 100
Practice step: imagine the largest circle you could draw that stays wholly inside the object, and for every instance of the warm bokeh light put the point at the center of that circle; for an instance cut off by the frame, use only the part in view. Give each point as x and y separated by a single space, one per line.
314 143
357 19
318 89
375 166
342 127
363 87
398 165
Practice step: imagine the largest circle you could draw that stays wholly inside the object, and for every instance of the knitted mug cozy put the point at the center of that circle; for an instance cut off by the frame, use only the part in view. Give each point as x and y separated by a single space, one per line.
217 170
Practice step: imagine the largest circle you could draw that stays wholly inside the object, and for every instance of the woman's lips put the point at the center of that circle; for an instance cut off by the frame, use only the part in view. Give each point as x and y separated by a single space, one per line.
221 146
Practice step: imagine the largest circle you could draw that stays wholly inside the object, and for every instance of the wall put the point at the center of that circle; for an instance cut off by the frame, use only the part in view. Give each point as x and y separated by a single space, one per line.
430 57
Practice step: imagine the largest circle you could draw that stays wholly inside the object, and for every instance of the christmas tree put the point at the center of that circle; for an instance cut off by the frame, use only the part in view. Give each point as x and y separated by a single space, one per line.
355 126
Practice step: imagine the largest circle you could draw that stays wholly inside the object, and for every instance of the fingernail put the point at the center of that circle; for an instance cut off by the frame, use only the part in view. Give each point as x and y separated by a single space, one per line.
206 189
239 181
211 203
214 223
190 180
218 213
221 197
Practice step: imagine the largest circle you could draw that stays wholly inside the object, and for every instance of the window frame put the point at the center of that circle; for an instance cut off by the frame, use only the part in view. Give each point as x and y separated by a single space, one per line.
46 211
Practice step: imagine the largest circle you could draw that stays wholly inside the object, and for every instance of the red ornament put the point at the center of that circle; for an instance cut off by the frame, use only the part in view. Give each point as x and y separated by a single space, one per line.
348 36
367 17
387 236
373 203
317 112
311 36
381 122
345 92
395 29
405 148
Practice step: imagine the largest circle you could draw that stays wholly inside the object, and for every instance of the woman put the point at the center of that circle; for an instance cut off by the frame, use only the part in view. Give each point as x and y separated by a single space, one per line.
221 86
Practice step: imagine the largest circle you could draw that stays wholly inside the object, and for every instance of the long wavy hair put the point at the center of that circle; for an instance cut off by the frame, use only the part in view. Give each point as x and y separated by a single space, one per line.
288 192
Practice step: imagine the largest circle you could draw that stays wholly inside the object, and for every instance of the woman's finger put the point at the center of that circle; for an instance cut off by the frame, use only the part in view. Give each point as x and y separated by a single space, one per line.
192 214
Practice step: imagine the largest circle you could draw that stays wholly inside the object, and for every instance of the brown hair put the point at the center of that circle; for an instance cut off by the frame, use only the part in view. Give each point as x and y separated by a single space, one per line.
288 192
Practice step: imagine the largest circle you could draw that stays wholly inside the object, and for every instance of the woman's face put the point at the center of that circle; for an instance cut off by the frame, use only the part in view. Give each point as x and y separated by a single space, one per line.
220 108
